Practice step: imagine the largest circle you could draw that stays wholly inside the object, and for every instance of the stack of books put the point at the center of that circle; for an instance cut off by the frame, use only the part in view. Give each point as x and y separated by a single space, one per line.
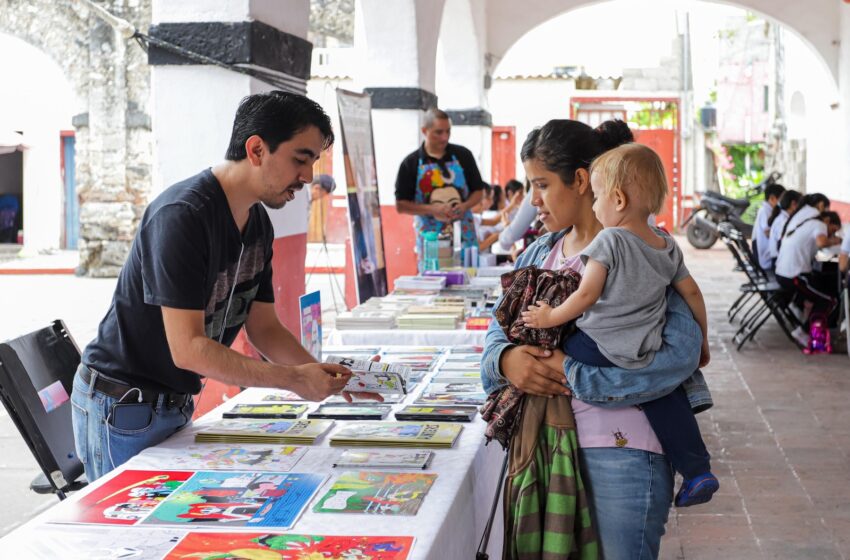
366 319
427 322
420 282
243 430
397 434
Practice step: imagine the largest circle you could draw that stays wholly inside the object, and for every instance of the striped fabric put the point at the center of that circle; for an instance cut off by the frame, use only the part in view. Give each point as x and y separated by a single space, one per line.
547 515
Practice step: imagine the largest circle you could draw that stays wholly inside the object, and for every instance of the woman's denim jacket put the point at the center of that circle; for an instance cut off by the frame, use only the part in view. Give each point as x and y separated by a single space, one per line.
674 364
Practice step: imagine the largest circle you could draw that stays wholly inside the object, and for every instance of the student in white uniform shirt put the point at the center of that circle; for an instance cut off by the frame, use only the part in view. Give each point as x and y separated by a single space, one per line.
786 206
810 228
844 254
761 229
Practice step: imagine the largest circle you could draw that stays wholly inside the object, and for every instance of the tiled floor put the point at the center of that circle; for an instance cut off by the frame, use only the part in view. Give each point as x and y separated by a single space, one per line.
779 434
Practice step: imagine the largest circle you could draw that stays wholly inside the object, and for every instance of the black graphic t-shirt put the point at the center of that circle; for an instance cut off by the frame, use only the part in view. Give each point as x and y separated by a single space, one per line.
187 254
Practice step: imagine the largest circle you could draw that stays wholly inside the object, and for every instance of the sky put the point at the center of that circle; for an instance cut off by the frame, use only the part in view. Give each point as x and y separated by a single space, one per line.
635 33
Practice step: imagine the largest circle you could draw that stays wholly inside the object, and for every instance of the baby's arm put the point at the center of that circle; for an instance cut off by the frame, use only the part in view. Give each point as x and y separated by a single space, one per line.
690 292
542 315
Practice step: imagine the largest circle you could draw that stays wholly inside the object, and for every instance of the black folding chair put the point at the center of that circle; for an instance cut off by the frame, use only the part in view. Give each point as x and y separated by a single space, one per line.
36 377
772 299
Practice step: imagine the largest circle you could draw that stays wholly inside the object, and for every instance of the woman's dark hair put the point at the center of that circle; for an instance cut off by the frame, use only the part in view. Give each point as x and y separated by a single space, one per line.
564 146
831 218
513 186
276 117
788 198
497 197
808 200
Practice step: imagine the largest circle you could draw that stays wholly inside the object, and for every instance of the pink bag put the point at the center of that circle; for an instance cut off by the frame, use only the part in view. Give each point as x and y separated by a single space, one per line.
819 340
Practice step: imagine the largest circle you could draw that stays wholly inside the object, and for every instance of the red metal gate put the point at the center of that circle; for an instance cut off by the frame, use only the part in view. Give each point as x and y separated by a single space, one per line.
503 154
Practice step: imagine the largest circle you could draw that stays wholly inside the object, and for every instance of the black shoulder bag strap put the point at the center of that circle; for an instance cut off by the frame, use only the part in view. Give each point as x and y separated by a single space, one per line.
485 538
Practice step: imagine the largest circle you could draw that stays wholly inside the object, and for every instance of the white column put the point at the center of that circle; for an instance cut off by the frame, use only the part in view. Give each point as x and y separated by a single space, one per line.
844 91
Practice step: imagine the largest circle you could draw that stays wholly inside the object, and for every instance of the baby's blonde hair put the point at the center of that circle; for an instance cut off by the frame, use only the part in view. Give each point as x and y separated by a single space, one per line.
637 171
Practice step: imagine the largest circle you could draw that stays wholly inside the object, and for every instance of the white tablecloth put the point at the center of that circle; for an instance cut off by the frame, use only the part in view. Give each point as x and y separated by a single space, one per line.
401 336
448 525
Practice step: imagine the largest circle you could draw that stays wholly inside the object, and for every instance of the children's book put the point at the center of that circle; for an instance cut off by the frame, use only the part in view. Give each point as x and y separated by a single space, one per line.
211 545
265 411
91 543
248 430
454 388
385 459
373 377
124 499
278 458
281 396
238 499
468 357
376 493
311 323
397 434
467 349
363 401
351 412
460 376
469 399
460 366
437 413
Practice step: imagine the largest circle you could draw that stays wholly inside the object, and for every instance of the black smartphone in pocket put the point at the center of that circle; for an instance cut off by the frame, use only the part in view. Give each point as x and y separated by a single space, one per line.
131 416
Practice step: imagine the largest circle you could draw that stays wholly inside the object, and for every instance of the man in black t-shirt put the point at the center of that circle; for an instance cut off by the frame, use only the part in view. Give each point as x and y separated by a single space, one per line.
198 270
439 184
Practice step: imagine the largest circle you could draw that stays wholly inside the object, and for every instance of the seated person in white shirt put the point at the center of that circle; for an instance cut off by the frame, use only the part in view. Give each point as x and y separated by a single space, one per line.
487 229
786 206
807 231
761 229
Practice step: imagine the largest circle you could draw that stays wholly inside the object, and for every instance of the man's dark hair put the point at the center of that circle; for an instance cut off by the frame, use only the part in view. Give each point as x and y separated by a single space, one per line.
276 117
774 189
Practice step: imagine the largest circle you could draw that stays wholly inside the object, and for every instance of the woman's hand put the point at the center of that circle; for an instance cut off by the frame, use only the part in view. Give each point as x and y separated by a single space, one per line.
524 368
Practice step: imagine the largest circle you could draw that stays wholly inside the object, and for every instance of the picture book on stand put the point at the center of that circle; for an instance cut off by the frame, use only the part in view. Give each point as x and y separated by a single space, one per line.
207 457
376 493
273 546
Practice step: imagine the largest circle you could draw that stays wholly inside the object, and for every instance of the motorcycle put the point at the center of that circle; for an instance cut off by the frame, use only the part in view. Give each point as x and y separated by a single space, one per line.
714 209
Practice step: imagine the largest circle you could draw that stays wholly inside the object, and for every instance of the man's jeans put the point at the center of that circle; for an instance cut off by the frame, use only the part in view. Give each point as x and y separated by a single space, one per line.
102 447
630 493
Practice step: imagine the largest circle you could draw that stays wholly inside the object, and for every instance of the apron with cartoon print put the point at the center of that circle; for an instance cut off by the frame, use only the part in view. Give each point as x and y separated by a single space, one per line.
446 185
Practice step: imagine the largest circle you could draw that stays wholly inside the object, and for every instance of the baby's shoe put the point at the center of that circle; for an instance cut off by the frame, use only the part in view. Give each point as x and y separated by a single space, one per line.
697 490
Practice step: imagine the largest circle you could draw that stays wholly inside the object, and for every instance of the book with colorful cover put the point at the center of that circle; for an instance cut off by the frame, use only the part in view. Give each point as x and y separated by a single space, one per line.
124 499
453 388
373 377
311 323
281 395
469 399
351 412
238 499
278 458
267 410
376 493
397 434
365 401
437 413
466 349
460 376
257 546
385 459
463 357
249 430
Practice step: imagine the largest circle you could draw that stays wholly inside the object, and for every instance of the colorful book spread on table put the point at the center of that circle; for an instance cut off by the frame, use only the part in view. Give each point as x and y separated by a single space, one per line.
385 459
397 434
271 546
469 399
364 401
437 413
125 499
278 458
373 377
376 493
247 430
265 411
351 412
281 395
238 499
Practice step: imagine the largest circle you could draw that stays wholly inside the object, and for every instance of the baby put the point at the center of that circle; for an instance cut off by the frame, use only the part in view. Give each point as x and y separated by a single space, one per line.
621 302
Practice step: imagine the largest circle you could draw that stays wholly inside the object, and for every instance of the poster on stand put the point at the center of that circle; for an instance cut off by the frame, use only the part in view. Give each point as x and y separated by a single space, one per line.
311 323
364 209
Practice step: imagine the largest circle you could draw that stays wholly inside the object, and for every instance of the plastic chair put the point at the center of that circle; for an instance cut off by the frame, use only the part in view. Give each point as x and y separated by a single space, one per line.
36 377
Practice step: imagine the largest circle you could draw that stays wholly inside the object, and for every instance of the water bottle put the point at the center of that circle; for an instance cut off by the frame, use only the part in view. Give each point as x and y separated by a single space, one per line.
430 250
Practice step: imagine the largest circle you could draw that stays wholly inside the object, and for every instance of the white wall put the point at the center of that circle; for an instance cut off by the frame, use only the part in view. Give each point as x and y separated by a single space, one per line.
37 99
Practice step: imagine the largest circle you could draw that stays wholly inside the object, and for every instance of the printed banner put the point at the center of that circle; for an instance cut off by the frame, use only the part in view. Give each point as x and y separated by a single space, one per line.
311 323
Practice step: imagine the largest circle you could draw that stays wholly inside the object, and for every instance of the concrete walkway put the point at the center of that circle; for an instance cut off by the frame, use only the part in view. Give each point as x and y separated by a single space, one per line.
779 432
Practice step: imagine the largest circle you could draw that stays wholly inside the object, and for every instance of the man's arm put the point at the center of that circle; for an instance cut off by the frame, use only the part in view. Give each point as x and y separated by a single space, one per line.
192 350
272 339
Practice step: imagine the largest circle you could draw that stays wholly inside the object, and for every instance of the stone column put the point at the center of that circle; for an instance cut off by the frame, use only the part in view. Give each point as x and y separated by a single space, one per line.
843 181
463 78
399 60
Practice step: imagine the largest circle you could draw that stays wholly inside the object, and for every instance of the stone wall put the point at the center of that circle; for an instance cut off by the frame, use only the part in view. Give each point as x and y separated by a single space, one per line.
111 77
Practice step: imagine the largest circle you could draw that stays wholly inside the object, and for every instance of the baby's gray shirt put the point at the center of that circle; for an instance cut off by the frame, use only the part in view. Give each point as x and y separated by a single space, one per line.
627 320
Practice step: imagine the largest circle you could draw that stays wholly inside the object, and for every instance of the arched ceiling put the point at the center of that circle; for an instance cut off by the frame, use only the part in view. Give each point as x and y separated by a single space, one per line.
817 22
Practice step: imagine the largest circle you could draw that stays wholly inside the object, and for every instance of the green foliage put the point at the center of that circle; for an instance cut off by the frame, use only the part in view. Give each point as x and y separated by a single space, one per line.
654 114
737 181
